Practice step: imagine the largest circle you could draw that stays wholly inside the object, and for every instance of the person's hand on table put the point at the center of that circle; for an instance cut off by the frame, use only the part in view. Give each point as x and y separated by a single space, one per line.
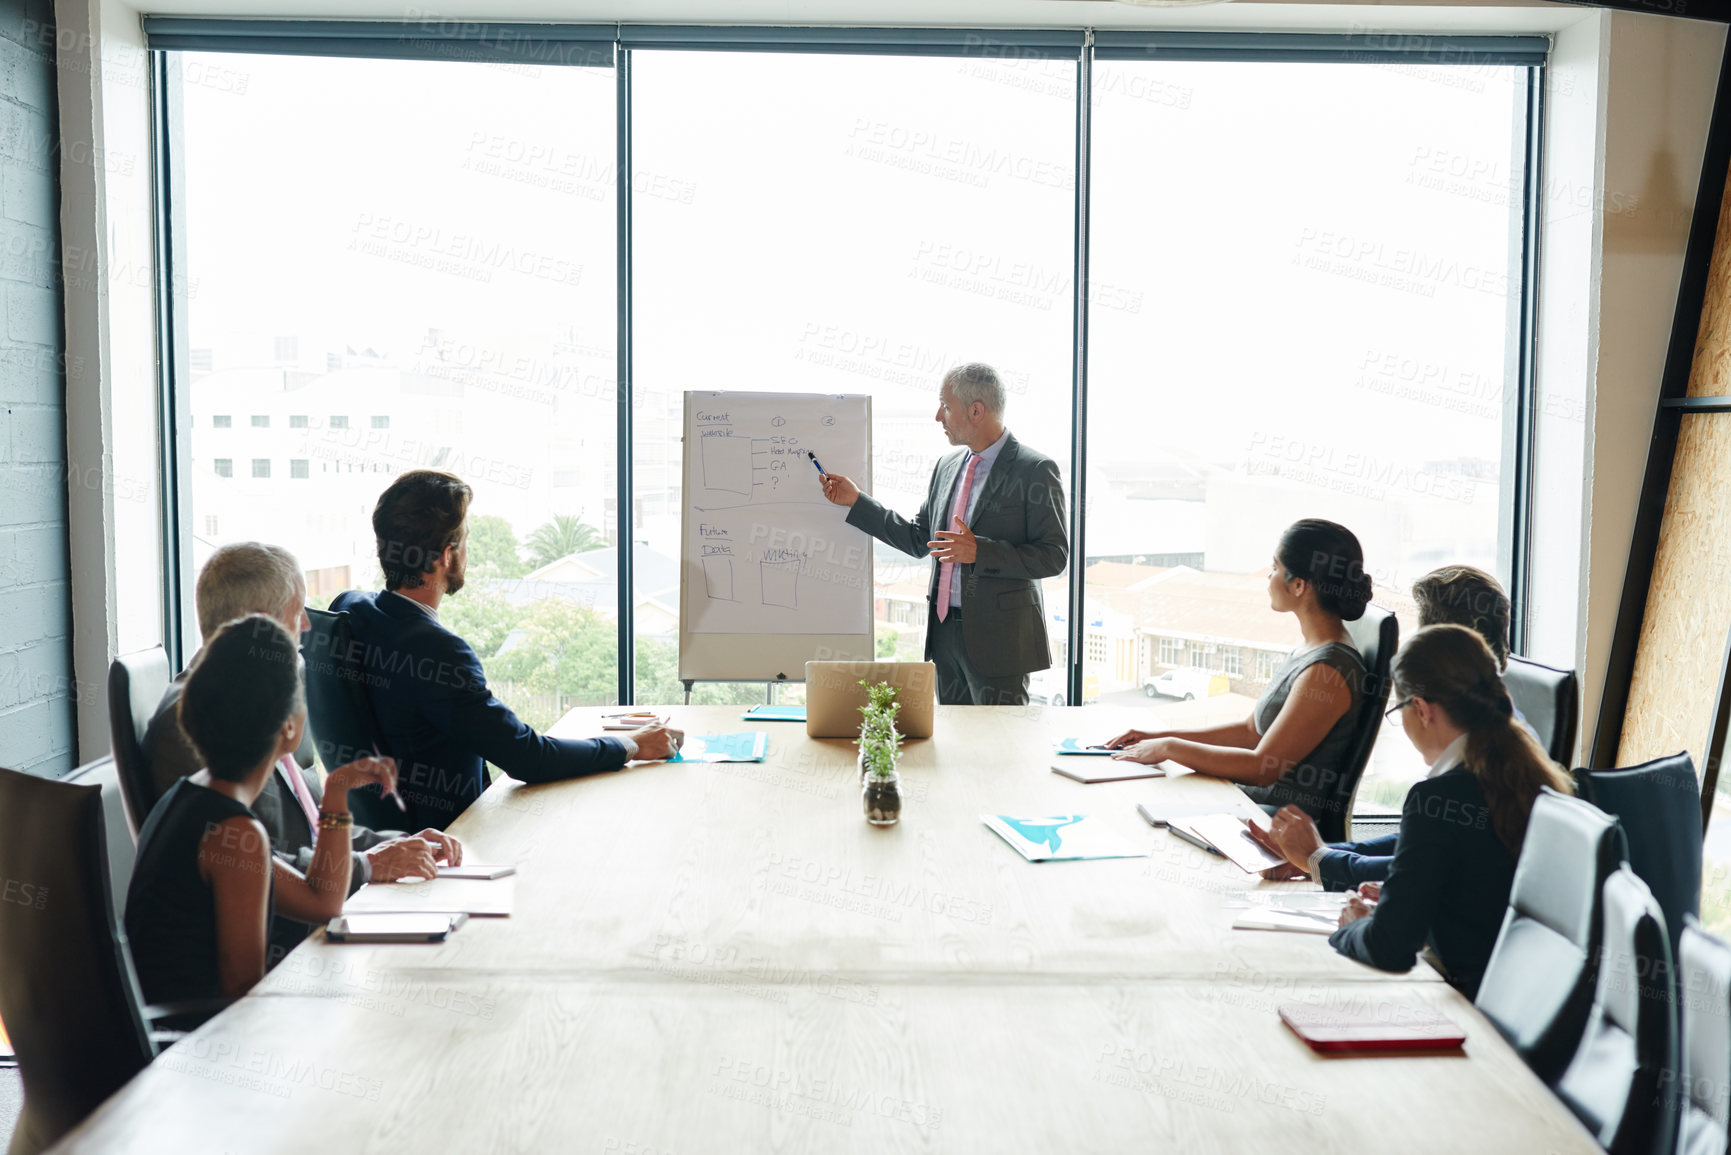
1148 751
1293 835
411 857
1127 738
958 545
839 490
445 848
657 743
1371 890
1359 904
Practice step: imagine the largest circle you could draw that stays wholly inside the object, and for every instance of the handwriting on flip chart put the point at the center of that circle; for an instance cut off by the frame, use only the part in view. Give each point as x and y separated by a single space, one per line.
764 550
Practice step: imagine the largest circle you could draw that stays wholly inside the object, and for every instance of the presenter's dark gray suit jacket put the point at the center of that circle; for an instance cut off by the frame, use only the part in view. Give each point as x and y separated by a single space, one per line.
1019 524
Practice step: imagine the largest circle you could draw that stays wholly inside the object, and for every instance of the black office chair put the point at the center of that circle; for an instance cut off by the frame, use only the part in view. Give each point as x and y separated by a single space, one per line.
1658 804
68 994
1376 635
1550 700
136 683
1538 985
1622 1081
1704 982
338 712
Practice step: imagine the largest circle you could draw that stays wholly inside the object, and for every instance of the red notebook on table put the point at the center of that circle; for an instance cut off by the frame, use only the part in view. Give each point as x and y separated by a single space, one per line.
1386 1026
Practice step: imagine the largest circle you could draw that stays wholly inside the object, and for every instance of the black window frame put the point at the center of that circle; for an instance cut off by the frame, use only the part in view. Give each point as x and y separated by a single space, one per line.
612 45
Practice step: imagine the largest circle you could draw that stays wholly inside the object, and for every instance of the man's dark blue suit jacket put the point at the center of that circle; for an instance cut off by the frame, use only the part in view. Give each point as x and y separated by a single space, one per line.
438 719
1346 864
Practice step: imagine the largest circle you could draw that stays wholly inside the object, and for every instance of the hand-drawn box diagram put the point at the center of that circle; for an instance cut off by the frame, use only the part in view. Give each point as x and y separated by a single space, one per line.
726 462
779 572
718 578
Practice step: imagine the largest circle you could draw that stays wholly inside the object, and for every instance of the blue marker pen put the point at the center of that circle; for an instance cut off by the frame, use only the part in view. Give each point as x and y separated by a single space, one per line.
814 462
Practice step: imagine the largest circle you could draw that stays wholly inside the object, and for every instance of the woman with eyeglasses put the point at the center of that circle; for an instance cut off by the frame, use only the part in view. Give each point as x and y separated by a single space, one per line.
1291 748
1462 826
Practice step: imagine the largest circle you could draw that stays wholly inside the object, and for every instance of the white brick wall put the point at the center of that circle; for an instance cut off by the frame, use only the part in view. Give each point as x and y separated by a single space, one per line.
36 691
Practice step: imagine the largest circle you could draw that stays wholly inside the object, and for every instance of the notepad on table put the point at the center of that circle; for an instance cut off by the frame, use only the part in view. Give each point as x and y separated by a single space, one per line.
1078 746
632 721
743 746
1297 921
1381 1025
775 714
470 896
476 871
1060 837
1227 834
1091 772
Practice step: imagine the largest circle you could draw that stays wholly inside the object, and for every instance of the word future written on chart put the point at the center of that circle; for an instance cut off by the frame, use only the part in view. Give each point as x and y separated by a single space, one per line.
764 551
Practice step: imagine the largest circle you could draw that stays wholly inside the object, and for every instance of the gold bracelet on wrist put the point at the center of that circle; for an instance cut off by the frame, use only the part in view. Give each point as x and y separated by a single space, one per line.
336 821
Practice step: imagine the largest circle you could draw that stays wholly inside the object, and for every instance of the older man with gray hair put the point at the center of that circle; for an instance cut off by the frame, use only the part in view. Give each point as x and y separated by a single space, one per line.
993 519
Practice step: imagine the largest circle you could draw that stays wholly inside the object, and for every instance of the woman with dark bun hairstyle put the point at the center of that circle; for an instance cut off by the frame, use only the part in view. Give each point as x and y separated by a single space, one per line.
1462 826
1292 747
204 882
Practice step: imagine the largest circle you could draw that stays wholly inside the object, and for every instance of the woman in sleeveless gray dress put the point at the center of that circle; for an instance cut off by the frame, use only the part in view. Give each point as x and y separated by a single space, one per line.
1292 747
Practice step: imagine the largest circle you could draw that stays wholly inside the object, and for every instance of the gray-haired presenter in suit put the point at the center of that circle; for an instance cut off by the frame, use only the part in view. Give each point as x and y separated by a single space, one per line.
1001 509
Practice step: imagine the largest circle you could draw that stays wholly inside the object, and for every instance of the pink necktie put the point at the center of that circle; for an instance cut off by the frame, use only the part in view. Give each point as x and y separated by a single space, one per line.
947 569
299 784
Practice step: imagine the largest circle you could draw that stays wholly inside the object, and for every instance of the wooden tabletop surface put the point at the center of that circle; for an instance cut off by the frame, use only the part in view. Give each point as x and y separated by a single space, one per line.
727 957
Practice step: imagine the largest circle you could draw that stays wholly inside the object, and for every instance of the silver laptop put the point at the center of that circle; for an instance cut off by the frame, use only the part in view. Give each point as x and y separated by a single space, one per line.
833 696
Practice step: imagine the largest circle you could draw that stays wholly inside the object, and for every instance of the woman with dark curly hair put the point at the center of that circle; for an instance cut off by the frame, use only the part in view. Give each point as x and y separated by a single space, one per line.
1293 745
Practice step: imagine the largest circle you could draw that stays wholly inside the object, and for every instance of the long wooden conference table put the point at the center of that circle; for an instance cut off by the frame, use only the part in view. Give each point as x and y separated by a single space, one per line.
728 958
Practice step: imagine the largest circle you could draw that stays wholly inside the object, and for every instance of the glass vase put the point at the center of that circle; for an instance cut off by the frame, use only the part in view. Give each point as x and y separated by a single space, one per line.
883 799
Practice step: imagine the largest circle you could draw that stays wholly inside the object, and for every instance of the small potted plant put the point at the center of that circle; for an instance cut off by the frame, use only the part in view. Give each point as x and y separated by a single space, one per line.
880 753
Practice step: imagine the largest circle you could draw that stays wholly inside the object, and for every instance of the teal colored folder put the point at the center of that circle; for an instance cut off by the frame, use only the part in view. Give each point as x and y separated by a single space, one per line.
743 746
775 714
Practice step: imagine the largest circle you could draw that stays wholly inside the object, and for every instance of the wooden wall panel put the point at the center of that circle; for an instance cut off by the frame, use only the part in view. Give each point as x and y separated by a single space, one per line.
1689 601
1710 373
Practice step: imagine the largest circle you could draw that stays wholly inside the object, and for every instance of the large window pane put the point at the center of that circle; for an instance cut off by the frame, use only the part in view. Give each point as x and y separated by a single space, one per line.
849 225
1304 291
393 265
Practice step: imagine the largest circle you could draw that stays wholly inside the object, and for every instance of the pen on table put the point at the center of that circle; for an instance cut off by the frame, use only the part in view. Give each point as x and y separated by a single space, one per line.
392 793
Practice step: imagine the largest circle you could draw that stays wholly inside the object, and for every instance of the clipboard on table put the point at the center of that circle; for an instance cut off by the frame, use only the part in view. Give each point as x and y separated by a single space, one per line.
1226 835
1089 773
393 927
